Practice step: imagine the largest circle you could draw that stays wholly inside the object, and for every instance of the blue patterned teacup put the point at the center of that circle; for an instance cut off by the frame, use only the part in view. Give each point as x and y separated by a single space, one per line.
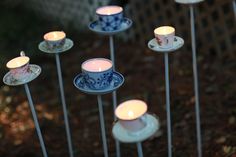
55 39
110 17
97 73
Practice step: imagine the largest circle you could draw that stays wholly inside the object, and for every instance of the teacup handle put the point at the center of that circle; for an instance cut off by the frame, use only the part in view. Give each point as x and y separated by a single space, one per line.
22 53
144 119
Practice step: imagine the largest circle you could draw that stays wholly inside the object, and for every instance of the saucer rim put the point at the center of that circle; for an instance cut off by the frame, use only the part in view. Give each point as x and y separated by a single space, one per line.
26 81
102 91
110 32
162 50
137 138
67 40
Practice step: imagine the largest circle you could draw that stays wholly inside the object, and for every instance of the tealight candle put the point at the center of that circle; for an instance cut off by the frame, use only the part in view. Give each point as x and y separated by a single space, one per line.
165 36
109 10
55 39
188 1
131 114
97 72
19 67
110 17
97 65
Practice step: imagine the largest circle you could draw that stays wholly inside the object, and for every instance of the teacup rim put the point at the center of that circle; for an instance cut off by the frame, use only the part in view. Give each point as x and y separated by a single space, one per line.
53 40
84 70
131 119
109 6
15 67
162 27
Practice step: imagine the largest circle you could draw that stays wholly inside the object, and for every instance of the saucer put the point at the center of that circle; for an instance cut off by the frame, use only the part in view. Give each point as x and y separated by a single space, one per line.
188 1
95 27
117 81
68 45
178 43
123 135
34 71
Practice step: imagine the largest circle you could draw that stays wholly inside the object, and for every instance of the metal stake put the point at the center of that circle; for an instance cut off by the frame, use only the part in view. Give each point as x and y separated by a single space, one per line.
140 150
168 105
36 123
234 7
196 91
114 96
68 134
101 116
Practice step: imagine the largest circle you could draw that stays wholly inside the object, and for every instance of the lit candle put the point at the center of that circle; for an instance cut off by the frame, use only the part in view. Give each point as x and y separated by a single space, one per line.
19 67
109 10
97 65
54 36
131 109
110 17
188 1
55 39
165 36
97 72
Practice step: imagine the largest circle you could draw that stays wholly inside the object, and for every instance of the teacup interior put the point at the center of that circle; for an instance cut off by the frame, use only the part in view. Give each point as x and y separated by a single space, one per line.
55 35
109 10
131 109
17 62
164 30
97 65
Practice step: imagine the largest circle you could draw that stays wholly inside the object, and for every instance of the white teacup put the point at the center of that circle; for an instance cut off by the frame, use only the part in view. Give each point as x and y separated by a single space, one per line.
132 115
165 36
19 67
55 39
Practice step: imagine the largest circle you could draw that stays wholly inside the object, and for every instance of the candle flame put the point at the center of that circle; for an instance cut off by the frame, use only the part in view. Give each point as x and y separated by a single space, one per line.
130 113
99 69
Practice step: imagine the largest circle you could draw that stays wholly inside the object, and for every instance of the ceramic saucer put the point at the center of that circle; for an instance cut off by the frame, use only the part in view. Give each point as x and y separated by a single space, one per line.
34 71
116 82
123 135
68 45
188 1
95 27
178 43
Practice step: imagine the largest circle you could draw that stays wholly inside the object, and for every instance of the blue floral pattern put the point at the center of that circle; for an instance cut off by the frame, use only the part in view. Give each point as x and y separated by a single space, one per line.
110 22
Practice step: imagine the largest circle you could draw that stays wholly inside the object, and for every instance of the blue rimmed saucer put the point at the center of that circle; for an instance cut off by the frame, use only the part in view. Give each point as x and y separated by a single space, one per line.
95 27
34 71
68 45
178 43
117 81
188 1
123 135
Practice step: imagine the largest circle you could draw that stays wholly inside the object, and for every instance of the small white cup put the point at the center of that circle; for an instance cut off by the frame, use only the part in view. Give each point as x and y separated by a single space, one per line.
19 67
132 115
55 39
165 36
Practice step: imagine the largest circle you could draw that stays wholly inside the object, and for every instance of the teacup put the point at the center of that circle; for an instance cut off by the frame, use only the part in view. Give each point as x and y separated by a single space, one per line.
55 39
132 115
97 73
165 36
19 67
110 17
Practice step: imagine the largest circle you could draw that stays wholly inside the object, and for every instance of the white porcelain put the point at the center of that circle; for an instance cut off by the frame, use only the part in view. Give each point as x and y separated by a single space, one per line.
125 136
178 43
19 67
131 114
165 36
110 17
55 39
97 73
33 72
